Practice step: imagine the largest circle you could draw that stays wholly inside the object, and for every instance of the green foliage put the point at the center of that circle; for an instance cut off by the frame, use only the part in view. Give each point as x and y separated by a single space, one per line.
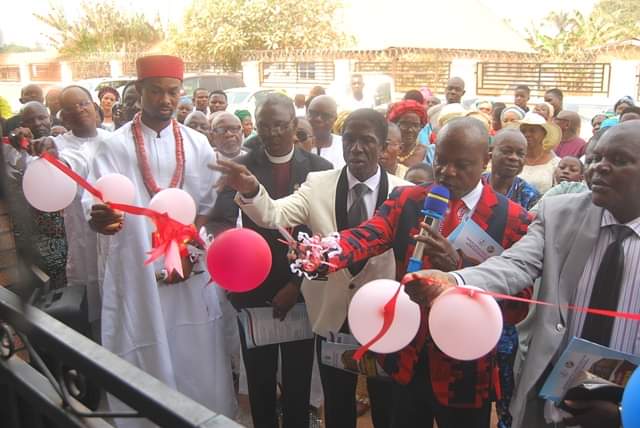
101 28
571 36
216 31
13 48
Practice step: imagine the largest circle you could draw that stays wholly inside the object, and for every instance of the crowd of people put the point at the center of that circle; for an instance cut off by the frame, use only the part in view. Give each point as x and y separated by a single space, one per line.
556 203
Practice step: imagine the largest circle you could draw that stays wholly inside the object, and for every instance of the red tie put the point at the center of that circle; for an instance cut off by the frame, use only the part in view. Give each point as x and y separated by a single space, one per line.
454 217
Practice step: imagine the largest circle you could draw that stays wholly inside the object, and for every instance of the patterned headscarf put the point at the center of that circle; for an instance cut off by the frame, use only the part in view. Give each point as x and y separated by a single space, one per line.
407 106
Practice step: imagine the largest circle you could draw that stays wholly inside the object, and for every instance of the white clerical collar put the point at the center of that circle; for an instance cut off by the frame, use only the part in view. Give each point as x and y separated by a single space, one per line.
471 199
164 132
279 159
372 182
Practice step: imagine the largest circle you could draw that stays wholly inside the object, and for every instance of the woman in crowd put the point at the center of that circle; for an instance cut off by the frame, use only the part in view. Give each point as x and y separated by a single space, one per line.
511 115
569 169
622 104
545 110
507 161
410 116
389 156
303 137
247 123
540 162
484 106
108 96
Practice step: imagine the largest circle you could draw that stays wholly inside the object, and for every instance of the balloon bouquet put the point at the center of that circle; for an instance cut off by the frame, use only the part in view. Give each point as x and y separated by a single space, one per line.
238 260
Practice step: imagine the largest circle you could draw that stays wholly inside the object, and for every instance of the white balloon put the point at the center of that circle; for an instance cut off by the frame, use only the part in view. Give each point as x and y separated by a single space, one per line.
116 188
465 327
177 203
46 187
366 316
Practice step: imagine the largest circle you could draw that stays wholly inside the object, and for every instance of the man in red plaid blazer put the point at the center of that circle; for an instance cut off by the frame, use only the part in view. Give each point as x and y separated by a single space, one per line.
428 383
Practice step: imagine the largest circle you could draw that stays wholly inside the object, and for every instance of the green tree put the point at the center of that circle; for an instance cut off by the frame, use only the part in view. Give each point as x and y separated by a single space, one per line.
572 36
627 12
101 28
218 30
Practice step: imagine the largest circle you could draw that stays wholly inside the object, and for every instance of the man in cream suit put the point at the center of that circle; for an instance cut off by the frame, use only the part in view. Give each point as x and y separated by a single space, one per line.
328 201
585 248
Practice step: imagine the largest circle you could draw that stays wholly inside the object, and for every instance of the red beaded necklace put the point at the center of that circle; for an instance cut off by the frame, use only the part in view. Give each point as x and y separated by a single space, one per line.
143 160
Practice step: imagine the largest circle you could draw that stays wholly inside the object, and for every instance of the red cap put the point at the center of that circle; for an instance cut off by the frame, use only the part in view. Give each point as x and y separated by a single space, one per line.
160 66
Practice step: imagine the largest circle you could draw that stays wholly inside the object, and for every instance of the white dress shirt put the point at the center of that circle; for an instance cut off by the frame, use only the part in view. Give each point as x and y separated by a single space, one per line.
370 198
624 336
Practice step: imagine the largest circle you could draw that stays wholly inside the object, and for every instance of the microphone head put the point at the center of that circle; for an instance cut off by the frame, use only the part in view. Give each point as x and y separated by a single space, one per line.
437 202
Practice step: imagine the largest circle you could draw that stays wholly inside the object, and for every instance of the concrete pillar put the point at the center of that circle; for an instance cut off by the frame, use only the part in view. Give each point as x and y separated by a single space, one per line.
116 68
623 79
465 69
251 73
66 74
25 72
342 72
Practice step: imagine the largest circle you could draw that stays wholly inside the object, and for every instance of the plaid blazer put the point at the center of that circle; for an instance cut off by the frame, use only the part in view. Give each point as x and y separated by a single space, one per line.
465 384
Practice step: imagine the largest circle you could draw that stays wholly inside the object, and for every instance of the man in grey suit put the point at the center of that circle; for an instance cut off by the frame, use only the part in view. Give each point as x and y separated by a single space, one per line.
585 249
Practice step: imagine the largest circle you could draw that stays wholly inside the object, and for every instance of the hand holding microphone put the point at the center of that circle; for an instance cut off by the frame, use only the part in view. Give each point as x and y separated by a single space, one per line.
429 241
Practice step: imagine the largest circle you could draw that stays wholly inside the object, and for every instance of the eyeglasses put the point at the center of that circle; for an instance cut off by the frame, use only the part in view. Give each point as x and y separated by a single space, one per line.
221 130
278 128
408 125
322 115
81 105
302 136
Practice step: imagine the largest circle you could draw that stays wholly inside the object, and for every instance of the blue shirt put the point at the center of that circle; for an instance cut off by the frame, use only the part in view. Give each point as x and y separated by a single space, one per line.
520 192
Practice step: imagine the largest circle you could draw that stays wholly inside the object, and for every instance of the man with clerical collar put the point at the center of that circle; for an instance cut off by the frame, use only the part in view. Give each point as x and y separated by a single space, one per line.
173 332
282 168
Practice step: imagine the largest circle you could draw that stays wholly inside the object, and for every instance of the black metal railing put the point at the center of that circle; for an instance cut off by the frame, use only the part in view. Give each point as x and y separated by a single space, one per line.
43 393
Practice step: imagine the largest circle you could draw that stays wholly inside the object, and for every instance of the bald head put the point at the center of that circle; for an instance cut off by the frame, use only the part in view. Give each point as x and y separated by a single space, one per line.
35 116
52 100
462 154
322 114
229 119
198 121
509 134
569 122
31 92
455 90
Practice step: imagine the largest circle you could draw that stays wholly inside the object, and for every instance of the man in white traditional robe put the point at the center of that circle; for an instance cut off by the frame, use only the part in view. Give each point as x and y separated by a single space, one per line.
77 147
172 331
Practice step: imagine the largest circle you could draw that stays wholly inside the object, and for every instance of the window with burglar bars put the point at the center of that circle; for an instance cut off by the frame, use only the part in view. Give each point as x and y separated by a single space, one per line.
411 74
43 72
90 69
10 73
494 79
278 74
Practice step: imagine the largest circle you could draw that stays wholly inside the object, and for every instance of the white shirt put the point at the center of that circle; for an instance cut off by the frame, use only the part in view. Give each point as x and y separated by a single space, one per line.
83 265
301 112
472 198
333 153
371 197
625 335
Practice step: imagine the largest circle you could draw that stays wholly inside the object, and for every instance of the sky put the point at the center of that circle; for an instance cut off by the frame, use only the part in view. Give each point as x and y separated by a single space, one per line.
20 27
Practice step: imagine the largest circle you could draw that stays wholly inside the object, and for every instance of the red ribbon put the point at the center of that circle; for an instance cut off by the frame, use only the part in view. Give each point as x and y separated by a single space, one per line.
390 309
167 231
388 313
24 143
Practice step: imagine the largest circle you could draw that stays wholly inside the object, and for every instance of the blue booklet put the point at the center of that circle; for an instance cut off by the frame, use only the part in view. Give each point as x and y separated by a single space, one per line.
588 371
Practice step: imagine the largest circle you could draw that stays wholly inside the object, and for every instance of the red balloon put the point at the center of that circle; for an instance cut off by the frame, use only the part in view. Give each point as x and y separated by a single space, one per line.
239 260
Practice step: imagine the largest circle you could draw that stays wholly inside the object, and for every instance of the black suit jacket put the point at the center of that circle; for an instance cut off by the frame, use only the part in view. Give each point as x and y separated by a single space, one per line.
225 213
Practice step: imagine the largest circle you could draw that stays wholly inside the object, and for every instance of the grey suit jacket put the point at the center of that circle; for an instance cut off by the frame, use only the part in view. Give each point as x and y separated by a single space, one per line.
554 250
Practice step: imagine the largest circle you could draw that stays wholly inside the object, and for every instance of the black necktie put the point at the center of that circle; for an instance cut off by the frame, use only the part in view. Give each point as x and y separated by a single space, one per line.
606 288
356 215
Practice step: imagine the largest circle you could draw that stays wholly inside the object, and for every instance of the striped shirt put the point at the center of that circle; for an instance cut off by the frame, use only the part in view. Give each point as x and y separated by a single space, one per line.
625 336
